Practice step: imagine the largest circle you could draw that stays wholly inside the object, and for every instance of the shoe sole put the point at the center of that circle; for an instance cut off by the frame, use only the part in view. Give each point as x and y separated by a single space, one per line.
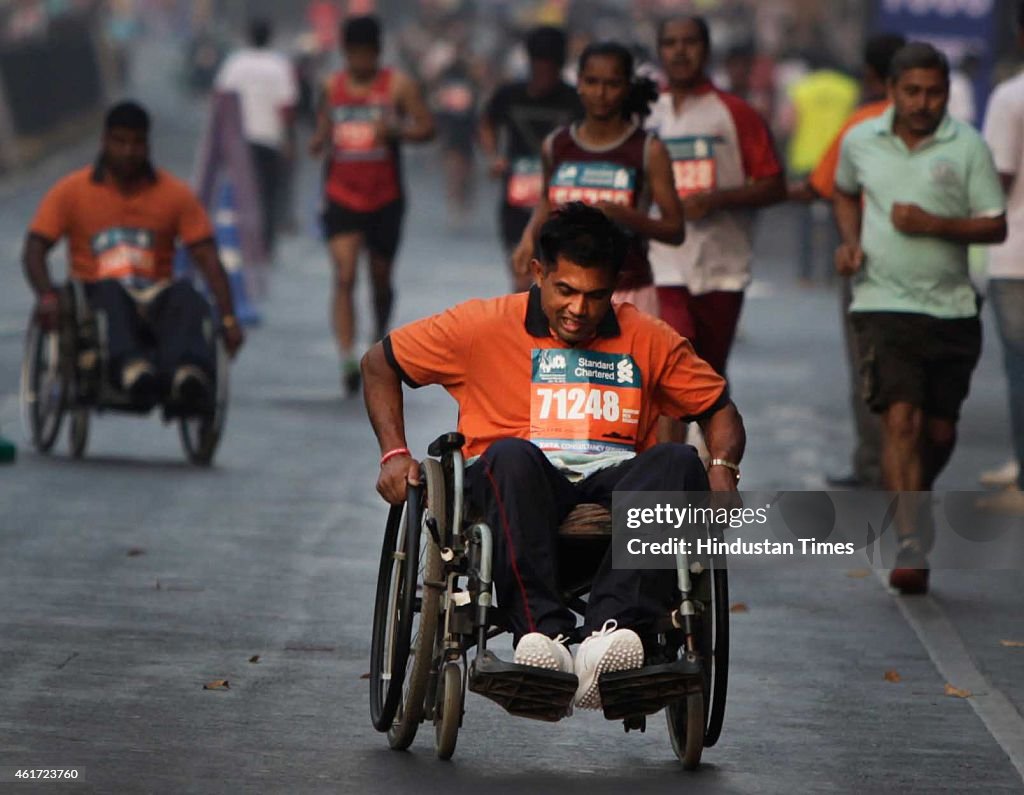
624 653
538 655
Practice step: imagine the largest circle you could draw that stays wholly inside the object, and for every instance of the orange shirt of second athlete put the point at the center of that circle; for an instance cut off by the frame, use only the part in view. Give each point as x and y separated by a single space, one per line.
98 219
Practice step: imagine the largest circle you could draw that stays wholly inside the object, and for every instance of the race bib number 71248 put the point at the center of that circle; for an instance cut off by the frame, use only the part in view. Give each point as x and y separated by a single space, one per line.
584 401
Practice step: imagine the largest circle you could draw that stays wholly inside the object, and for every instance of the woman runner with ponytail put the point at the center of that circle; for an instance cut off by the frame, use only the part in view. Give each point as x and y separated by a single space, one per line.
609 161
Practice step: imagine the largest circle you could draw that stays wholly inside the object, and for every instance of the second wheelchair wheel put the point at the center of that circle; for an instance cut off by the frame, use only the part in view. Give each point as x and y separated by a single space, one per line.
394 608
448 717
78 433
43 387
429 587
200 433
686 729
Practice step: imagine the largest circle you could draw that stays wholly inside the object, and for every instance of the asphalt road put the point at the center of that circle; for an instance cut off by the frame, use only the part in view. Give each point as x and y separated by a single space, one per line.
129 580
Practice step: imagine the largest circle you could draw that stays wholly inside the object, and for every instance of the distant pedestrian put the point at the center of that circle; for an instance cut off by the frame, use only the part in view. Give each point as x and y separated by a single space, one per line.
914 188
268 90
1004 132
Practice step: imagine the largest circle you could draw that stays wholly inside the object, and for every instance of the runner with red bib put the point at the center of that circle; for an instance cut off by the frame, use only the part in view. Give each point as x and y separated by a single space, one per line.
366 112
610 162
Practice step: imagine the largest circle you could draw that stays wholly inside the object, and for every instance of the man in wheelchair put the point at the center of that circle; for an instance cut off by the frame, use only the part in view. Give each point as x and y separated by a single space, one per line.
559 392
121 217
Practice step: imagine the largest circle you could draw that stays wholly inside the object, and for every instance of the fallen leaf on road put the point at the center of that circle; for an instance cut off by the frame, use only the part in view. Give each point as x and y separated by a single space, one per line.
858 574
365 676
1013 644
254 659
893 676
219 684
957 692
134 552
739 607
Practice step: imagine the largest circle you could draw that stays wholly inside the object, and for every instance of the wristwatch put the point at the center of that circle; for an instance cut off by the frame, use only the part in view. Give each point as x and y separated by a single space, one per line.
721 462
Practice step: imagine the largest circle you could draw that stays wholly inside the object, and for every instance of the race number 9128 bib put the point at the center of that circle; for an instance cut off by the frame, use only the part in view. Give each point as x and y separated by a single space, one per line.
592 182
693 164
125 254
354 133
584 401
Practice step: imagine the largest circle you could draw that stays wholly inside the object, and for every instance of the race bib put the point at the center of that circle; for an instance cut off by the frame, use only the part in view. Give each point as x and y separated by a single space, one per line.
591 183
127 255
525 182
693 164
354 133
584 401
456 98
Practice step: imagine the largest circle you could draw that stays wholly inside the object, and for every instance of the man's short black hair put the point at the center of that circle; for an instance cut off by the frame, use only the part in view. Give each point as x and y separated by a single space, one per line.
546 43
1020 15
361 31
127 116
918 55
260 31
880 50
583 235
702 27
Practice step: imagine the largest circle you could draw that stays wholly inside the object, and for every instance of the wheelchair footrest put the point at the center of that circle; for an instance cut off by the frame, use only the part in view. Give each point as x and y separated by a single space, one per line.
644 691
523 689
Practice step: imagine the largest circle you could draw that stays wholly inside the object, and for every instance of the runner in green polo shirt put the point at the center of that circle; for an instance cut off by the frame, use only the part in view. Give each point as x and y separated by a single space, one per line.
914 188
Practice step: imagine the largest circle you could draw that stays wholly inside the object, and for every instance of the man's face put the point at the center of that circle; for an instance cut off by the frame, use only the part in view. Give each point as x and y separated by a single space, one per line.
574 298
682 51
919 99
545 74
603 87
125 152
362 60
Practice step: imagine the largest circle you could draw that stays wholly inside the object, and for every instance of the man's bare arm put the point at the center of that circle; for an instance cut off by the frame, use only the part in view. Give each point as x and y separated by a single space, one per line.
726 438
382 393
33 261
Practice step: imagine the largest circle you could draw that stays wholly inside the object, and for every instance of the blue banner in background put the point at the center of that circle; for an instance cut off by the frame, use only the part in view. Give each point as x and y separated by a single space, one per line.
957 27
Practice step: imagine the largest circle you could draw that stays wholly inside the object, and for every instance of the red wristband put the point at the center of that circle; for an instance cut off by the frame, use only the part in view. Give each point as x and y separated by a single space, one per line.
394 454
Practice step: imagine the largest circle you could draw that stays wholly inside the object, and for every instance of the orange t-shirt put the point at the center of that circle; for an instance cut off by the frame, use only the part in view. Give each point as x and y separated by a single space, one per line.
512 378
112 235
823 178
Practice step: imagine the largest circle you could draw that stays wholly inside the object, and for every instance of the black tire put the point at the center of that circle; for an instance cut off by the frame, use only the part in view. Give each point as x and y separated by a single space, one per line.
44 386
425 624
78 432
449 711
200 434
393 609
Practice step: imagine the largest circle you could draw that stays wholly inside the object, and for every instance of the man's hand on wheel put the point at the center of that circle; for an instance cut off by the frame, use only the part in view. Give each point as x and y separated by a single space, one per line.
395 474
234 337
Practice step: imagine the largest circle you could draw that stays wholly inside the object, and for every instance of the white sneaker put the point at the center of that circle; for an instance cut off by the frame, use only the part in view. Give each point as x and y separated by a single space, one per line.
1000 478
540 651
609 649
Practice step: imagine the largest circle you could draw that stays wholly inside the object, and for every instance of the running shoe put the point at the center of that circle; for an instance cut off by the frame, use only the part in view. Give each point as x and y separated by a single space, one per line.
606 650
538 650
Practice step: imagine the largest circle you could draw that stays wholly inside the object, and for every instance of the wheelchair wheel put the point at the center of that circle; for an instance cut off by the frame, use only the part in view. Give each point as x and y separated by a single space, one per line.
44 386
686 729
449 711
78 433
394 609
200 434
425 620
695 723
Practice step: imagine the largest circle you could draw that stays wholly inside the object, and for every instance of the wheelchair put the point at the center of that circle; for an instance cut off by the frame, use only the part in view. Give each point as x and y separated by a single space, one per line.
434 605
66 371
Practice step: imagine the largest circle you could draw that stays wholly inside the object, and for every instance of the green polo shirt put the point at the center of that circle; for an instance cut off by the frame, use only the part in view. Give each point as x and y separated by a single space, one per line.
950 175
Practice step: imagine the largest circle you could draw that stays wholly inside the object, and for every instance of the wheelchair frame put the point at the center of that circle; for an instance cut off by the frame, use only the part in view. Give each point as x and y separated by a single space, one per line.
435 603
66 370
